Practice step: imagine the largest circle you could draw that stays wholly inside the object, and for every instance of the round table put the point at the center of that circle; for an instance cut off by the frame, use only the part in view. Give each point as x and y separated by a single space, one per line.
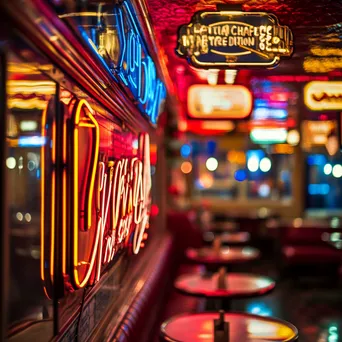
228 238
238 285
226 255
242 328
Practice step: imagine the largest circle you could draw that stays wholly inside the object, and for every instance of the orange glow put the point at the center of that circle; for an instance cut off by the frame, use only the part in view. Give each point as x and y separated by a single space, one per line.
238 157
186 167
42 201
64 200
53 197
219 102
321 95
83 103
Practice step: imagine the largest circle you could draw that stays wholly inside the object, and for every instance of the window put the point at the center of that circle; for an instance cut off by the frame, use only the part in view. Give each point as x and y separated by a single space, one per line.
29 143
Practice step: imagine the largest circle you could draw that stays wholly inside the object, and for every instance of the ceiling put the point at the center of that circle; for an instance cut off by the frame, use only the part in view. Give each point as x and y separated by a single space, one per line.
316 26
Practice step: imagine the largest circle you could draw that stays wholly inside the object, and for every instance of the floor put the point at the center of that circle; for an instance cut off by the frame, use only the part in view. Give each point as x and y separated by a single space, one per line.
313 304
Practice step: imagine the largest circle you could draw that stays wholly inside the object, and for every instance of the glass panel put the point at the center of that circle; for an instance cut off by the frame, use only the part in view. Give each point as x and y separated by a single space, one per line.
324 182
29 145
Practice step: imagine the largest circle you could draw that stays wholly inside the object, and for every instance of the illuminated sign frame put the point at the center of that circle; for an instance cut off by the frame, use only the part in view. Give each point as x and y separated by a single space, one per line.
323 95
234 39
235 92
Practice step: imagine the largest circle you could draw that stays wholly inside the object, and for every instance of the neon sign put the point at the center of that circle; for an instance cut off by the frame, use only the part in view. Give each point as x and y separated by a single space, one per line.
136 67
121 48
323 95
234 39
106 202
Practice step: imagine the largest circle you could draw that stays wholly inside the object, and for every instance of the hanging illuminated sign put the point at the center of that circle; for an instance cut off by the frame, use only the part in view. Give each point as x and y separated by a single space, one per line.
105 201
323 95
219 102
234 39
315 133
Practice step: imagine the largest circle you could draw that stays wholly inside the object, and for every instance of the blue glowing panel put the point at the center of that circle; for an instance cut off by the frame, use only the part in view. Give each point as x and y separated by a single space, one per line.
317 159
31 141
318 189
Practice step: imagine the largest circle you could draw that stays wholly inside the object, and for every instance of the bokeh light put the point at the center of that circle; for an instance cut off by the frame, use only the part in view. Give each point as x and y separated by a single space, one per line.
253 164
240 175
11 163
327 169
265 164
337 171
185 151
211 164
186 167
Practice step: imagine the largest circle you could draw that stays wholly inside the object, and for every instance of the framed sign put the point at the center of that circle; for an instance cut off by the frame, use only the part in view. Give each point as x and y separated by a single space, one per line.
323 95
219 102
234 39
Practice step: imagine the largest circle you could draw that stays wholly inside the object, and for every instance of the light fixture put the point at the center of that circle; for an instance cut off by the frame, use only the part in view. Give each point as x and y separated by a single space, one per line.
229 76
213 76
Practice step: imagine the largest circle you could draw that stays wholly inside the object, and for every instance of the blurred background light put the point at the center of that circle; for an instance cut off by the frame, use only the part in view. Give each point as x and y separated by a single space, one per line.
319 189
268 135
265 164
185 151
327 169
293 137
240 175
186 167
28 125
337 171
211 164
253 164
11 163
259 308
264 190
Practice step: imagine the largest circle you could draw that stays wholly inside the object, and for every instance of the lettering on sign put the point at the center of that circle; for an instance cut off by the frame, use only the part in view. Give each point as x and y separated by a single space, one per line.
323 95
136 68
105 203
234 39
113 201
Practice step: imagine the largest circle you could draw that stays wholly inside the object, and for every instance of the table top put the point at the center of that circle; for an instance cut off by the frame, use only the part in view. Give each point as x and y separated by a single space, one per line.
237 285
226 255
242 328
231 238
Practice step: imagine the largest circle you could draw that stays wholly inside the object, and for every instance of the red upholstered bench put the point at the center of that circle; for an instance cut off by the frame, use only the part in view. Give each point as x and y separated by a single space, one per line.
305 247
